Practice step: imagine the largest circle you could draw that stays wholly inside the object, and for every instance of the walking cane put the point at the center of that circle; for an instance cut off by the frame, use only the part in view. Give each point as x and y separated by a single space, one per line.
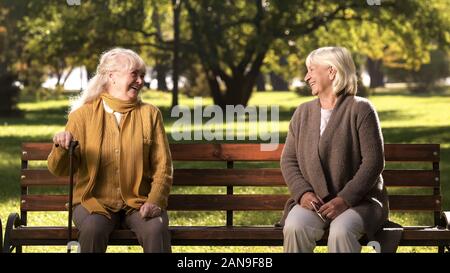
72 146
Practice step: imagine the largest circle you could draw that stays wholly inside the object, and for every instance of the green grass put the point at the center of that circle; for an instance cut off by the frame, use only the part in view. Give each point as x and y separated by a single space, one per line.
404 119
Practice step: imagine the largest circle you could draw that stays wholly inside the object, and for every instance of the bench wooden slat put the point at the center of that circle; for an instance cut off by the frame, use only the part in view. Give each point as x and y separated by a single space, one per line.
183 152
212 202
182 177
36 150
228 177
411 178
57 235
188 202
223 152
241 177
41 177
412 152
415 202
252 152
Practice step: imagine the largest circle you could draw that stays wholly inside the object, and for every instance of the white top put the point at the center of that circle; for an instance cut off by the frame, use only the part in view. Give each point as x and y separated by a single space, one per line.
111 111
325 115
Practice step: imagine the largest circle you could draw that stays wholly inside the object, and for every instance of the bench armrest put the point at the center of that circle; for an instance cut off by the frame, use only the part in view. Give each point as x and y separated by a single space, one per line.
445 219
13 222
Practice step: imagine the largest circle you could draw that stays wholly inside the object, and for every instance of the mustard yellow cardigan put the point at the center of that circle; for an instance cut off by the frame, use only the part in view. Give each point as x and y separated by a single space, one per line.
157 163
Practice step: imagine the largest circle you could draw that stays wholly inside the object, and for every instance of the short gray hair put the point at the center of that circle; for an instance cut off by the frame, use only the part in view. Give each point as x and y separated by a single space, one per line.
341 60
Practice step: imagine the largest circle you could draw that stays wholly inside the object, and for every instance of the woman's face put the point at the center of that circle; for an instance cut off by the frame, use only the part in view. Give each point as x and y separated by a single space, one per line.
125 84
320 78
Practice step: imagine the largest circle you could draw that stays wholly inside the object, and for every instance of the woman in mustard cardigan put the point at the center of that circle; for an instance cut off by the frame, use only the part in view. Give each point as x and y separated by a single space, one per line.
123 161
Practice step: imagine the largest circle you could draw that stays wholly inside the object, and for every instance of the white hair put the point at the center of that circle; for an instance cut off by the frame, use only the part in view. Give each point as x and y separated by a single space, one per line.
341 60
116 59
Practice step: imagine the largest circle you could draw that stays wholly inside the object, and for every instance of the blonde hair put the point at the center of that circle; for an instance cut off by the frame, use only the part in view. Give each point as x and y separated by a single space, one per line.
341 60
116 59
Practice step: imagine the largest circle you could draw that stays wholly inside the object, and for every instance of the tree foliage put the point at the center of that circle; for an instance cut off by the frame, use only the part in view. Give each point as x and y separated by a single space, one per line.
229 41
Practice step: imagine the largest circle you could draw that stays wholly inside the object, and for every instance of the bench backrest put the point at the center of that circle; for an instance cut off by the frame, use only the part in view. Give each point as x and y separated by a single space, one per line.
244 165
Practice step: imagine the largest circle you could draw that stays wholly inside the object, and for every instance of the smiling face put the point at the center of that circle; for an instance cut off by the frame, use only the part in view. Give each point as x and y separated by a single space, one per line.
320 78
126 85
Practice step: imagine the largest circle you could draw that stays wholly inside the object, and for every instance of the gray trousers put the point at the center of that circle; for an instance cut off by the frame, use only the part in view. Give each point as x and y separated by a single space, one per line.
94 230
303 228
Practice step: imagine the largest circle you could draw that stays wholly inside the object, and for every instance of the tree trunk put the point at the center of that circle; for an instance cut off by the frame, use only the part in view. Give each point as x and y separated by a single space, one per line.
374 68
64 80
161 73
239 87
260 82
9 94
176 31
278 83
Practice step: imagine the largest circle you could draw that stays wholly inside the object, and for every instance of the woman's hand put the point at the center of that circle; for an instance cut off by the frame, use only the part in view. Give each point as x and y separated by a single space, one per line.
149 210
62 139
308 198
333 208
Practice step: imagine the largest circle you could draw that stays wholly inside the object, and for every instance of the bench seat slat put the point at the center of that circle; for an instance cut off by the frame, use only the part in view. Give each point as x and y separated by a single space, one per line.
244 202
412 152
252 152
182 177
241 177
418 235
411 178
183 152
179 202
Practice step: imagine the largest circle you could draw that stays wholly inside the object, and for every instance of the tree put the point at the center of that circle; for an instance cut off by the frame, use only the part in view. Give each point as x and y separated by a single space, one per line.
232 38
10 45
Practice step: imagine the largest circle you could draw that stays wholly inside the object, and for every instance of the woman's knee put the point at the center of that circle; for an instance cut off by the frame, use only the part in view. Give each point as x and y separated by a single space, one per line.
347 225
294 227
93 227
156 227
301 220
344 230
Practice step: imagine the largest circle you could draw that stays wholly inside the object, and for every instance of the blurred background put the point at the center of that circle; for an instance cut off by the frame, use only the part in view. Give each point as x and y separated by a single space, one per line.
230 52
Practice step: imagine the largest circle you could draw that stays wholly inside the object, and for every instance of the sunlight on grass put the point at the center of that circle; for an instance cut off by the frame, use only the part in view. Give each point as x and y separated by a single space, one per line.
404 119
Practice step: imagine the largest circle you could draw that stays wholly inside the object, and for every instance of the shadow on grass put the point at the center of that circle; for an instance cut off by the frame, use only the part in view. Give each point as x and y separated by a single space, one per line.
435 134
49 116
394 115
58 116
402 92
285 114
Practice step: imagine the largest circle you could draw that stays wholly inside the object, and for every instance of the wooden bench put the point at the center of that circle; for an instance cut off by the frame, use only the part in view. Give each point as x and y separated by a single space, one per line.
233 168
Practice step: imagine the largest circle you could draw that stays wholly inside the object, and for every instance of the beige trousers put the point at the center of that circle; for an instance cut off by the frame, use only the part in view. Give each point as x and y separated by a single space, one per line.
95 229
303 228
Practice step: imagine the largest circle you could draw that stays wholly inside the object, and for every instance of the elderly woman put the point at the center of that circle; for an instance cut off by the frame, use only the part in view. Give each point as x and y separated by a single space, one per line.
124 166
332 160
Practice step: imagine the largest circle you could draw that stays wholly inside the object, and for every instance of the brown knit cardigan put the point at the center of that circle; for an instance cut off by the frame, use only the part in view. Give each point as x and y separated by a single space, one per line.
346 161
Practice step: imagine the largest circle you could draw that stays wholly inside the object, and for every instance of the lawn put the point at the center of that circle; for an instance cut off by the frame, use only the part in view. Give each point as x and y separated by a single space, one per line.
404 119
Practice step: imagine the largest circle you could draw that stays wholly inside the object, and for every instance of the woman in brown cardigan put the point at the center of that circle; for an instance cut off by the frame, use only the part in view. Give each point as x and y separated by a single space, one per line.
124 166
332 161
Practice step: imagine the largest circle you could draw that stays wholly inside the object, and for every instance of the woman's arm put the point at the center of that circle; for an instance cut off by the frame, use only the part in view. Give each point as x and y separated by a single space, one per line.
372 154
58 159
161 170
289 165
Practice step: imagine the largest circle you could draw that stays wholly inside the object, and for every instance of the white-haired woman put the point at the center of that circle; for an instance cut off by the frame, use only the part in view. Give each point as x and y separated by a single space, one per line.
332 161
124 166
